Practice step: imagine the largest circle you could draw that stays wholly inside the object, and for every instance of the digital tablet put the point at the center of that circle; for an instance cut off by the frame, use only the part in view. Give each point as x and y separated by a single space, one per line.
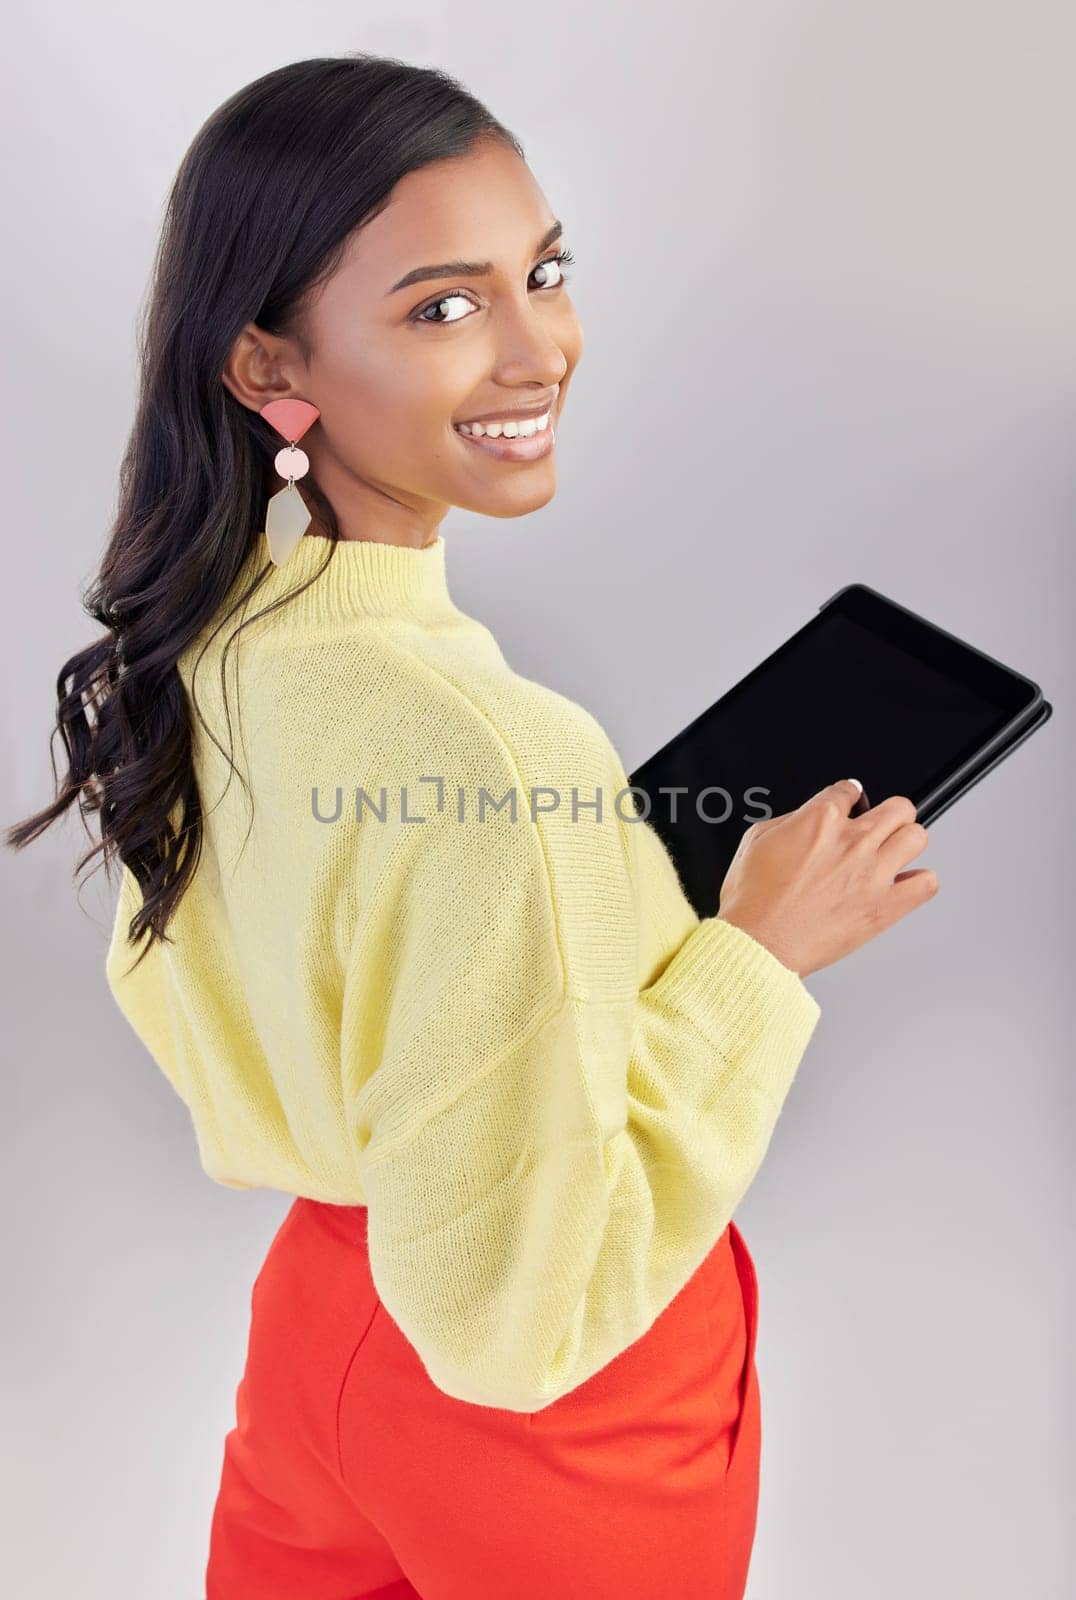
866 689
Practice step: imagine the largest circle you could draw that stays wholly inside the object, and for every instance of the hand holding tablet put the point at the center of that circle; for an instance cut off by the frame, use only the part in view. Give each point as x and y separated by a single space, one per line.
815 884
866 687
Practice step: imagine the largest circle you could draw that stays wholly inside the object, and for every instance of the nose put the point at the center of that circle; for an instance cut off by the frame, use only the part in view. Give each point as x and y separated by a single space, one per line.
530 350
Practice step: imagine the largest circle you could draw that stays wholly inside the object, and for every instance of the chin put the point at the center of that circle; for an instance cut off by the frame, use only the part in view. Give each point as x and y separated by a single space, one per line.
531 498
513 500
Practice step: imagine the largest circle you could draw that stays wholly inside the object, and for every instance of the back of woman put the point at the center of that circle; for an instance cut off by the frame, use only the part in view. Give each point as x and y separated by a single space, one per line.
388 919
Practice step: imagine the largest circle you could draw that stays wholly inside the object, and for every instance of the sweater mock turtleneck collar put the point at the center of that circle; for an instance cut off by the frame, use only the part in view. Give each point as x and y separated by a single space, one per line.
361 578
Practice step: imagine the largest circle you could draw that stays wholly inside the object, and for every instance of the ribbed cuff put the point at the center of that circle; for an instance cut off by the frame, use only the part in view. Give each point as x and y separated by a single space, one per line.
756 1012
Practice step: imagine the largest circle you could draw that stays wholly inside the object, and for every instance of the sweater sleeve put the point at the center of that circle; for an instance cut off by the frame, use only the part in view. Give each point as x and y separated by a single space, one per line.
547 1147
137 986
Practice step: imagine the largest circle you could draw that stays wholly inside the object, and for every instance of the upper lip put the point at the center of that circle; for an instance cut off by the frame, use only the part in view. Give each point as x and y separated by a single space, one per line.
512 411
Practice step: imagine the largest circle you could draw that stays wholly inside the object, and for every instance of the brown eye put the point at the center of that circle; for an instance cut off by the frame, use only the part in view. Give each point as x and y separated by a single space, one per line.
559 261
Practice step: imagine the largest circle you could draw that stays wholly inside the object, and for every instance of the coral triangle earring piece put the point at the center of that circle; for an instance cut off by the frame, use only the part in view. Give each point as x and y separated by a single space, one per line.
287 515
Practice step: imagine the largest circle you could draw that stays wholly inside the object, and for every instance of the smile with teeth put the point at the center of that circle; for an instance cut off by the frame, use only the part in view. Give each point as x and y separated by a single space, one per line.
525 429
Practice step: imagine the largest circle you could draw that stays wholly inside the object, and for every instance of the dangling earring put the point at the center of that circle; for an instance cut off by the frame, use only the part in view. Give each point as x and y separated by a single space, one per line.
287 515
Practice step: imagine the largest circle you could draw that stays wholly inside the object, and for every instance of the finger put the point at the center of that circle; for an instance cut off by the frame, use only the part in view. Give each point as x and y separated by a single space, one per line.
887 818
912 888
846 791
900 847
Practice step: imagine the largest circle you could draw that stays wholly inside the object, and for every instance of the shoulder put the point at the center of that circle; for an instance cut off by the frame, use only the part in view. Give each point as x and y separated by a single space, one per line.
516 782
562 770
524 728
578 815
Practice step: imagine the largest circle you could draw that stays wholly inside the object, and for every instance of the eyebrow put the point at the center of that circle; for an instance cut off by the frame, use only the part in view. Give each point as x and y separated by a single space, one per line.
466 269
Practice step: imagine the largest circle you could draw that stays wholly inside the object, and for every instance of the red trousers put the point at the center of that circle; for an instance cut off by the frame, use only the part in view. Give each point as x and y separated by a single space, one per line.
349 1474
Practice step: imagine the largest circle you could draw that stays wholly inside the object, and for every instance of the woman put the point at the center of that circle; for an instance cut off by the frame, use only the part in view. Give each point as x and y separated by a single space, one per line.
412 959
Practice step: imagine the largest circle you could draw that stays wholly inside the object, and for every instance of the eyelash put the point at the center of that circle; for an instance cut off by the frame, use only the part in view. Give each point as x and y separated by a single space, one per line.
562 258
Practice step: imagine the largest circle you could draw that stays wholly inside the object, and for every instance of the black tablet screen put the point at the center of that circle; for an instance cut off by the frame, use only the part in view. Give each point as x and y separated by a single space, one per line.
836 700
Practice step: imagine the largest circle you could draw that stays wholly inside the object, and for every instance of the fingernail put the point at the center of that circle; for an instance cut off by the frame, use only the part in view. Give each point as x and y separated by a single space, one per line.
857 783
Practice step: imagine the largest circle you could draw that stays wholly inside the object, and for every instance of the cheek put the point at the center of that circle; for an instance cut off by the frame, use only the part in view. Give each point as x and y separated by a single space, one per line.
568 329
414 395
383 380
384 409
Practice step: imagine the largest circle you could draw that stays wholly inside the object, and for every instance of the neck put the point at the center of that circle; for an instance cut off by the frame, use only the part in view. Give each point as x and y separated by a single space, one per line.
362 578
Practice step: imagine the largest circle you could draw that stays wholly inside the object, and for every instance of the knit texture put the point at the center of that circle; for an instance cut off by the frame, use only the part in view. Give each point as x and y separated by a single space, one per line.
507 1033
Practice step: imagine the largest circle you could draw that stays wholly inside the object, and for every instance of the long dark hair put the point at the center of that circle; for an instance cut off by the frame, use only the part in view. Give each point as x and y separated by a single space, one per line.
259 213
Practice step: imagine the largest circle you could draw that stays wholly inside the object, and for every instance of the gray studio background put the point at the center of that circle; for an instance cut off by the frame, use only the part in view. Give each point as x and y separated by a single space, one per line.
827 277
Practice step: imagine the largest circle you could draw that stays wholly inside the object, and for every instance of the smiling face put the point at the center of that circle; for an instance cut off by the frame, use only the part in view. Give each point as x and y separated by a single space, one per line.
394 367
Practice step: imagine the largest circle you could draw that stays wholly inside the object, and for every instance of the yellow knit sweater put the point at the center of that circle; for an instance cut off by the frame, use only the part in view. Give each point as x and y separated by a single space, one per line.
514 1041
